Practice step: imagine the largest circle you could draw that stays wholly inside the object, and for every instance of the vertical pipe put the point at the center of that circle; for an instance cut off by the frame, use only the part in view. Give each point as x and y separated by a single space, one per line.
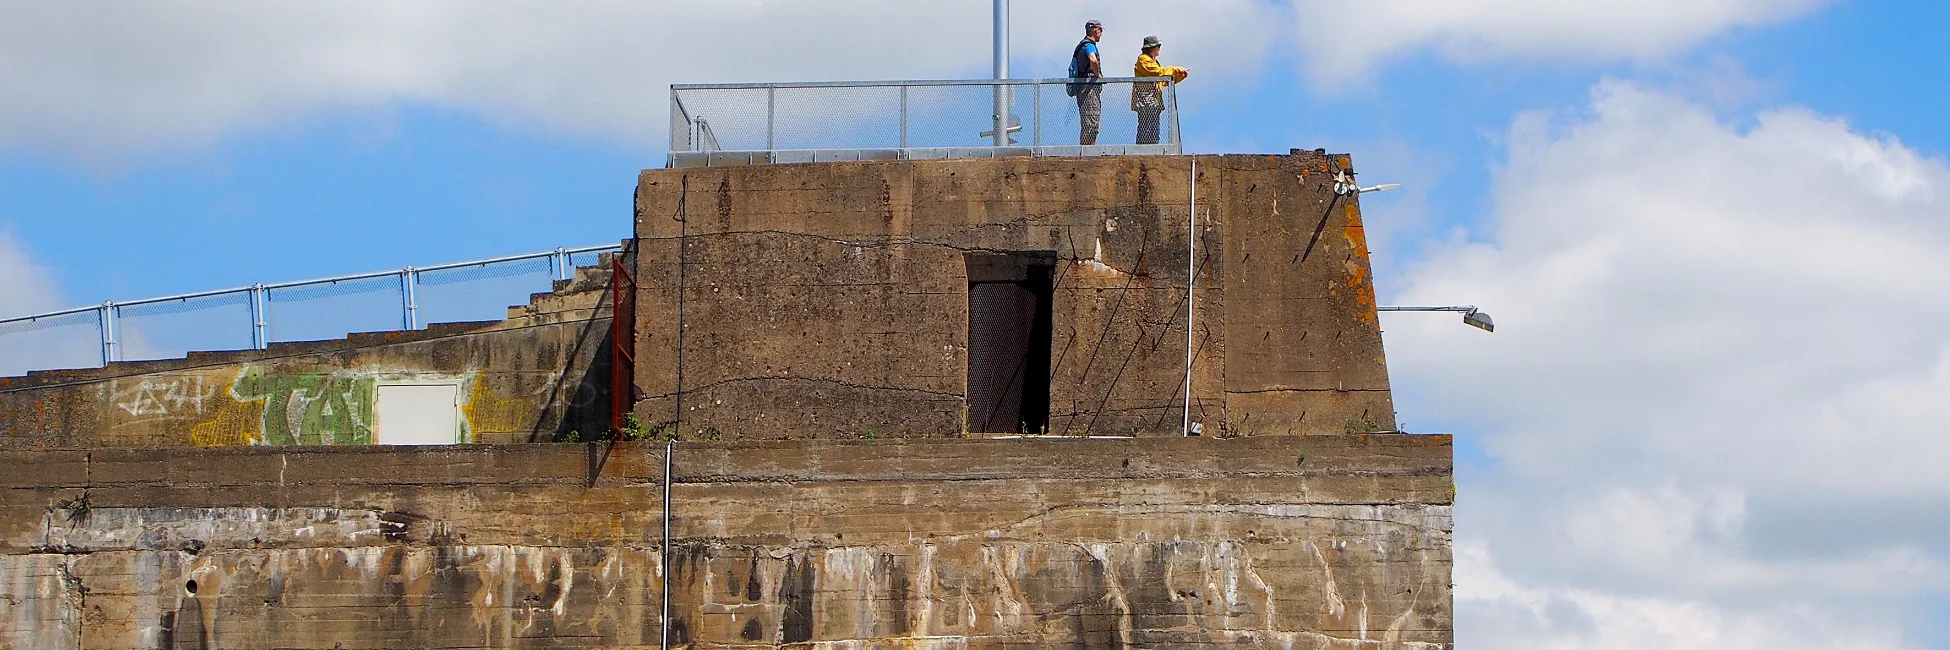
670 449
903 116
1001 72
115 331
771 117
1191 281
561 263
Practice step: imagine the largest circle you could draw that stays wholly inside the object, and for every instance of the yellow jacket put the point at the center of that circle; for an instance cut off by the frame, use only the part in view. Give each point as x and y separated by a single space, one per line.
1152 94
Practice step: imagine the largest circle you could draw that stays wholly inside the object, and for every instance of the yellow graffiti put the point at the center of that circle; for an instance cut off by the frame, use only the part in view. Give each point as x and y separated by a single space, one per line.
236 424
487 413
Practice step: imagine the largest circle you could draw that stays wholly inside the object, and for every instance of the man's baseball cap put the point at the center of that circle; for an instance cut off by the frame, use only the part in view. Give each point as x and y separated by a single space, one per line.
1151 42
1098 24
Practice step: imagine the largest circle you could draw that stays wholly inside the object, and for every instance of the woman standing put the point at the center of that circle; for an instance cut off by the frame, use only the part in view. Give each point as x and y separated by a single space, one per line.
1148 99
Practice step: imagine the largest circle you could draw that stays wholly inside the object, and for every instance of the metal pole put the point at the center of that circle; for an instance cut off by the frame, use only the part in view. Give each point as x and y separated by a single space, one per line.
1001 72
115 331
409 303
771 118
903 117
1037 95
1191 281
670 449
257 317
1178 143
108 335
561 263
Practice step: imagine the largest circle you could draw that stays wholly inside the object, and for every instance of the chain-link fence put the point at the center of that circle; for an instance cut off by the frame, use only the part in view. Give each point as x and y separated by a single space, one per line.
308 310
718 124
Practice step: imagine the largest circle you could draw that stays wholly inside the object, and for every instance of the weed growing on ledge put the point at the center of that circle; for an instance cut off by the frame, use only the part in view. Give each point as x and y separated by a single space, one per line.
633 428
78 508
1363 425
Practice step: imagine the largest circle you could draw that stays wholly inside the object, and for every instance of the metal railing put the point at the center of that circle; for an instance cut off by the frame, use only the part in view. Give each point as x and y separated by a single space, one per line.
745 124
256 316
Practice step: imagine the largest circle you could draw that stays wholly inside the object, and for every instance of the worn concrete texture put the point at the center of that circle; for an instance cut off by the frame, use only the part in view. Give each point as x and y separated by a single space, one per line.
1287 542
832 300
539 374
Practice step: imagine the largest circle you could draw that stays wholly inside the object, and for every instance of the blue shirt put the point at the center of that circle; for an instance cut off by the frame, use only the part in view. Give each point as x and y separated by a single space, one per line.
1080 59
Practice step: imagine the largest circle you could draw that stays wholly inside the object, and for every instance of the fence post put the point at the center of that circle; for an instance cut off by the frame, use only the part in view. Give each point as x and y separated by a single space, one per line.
409 303
1178 145
562 264
108 333
771 118
903 116
258 341
1038 112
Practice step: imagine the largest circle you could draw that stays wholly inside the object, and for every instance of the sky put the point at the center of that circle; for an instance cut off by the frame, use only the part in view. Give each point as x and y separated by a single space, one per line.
1715 234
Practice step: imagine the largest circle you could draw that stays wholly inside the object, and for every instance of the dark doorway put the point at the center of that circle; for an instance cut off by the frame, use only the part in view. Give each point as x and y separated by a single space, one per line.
1009 300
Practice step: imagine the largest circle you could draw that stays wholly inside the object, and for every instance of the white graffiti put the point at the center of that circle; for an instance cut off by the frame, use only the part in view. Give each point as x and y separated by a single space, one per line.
165 396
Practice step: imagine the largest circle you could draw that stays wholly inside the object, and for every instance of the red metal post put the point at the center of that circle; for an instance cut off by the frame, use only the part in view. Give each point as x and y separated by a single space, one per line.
622 333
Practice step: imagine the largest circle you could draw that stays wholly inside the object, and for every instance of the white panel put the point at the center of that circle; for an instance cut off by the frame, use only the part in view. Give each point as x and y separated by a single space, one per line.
418 414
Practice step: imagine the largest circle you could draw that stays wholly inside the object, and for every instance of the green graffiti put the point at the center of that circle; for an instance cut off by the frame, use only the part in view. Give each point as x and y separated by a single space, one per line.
310 409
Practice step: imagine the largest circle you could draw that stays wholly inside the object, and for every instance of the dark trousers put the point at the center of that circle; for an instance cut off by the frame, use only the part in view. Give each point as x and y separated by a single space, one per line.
1148 124
1090 113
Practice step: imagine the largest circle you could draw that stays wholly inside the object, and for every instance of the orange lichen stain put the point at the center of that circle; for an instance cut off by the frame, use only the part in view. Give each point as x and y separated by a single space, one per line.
487 413
1358 273
236 424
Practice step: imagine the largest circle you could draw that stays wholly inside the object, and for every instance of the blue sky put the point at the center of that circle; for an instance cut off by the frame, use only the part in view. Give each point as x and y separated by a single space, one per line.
1717 165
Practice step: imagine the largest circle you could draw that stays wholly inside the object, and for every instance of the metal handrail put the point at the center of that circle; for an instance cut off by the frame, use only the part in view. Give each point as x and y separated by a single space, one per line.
918 82
560 268
765 134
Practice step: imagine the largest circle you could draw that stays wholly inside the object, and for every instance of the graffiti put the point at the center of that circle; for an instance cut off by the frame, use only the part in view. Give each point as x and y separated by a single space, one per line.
155 397
487 413
236 424
309 409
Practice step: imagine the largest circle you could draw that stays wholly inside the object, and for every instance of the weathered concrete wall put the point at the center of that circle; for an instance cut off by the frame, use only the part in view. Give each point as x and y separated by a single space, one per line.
541 373
1288 542
831 300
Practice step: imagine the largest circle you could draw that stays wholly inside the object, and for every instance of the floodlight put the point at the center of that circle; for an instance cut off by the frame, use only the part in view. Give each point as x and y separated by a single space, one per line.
1472 316
1344 185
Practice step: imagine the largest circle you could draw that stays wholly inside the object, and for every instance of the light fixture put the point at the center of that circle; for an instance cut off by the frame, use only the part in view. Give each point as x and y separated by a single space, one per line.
1344 185
1472 316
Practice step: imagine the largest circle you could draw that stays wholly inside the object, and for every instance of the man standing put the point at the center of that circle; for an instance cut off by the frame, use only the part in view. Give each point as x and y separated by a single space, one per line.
1148 99
1084 65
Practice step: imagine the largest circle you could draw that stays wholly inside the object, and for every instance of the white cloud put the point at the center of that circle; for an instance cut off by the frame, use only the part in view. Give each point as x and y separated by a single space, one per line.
1718 390
1344 41
103 79
25 287
100 79
1497 612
